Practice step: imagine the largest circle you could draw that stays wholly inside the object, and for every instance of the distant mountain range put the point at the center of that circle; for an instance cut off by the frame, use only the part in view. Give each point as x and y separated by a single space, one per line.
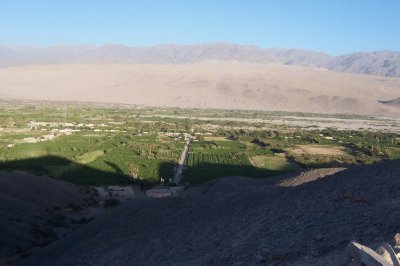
381 63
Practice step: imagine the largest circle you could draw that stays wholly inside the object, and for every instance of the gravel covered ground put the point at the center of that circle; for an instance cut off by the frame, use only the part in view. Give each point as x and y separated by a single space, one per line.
293 220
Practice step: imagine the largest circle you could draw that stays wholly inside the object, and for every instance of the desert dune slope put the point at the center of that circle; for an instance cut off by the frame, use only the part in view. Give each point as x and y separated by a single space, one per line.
216 84
394 102
242 221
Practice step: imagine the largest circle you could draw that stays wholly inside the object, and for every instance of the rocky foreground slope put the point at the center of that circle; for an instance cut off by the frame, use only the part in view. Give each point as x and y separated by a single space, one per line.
30 210
305 220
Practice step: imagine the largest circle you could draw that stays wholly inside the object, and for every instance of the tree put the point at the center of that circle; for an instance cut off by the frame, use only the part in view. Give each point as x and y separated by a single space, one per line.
188 124
133 170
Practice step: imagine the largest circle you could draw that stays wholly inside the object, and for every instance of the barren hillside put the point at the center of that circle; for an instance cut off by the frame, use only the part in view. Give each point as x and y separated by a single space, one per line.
305 220
208 84
27 214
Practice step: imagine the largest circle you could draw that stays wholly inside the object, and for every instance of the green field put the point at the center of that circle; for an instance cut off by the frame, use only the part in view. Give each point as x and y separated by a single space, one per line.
114 144
94 158
211 159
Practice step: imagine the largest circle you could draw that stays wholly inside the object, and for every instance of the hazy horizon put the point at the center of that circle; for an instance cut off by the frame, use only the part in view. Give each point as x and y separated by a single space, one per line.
332 27
185 44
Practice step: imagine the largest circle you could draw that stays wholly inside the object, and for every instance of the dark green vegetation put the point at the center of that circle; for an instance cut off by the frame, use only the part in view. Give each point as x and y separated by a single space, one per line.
121 158
93 144
356 146
212 159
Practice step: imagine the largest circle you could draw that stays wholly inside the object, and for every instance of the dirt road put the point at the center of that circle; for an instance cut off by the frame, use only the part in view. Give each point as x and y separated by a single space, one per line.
182 162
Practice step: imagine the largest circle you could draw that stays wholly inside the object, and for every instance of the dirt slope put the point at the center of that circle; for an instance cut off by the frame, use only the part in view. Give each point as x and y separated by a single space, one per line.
26 204
394 102
240 221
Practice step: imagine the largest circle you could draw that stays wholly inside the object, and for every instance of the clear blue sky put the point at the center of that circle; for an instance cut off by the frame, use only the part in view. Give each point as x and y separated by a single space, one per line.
332 26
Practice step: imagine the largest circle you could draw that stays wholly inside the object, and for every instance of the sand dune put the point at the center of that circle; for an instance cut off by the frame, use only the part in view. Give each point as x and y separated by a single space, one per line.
207 84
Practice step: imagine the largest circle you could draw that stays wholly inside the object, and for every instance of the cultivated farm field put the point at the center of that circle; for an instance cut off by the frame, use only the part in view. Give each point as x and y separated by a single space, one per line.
100 144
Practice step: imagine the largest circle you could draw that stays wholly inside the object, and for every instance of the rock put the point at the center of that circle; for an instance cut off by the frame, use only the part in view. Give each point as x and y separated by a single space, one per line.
396 239
315 252
260 259
265 251
318 237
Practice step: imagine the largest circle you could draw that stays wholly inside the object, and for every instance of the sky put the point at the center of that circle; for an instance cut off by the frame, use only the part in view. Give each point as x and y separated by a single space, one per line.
332 26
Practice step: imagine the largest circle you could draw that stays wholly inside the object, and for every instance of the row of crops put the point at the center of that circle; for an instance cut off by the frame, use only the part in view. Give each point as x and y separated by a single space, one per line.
91 158
238 159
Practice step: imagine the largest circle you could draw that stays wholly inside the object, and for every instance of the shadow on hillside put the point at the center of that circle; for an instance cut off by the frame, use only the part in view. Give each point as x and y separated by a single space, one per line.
207 171
323 208
71 171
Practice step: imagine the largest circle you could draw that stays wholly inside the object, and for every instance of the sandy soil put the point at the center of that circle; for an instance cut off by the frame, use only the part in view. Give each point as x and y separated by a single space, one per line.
207 84
319 150
216 139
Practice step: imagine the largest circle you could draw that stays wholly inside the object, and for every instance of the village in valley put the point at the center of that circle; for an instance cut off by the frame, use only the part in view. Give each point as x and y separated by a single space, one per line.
136 151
